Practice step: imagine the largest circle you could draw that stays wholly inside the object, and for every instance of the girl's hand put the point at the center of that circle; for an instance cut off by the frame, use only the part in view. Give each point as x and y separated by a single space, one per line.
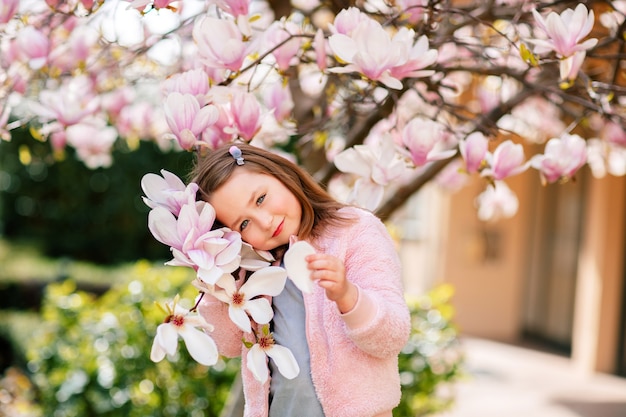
330 274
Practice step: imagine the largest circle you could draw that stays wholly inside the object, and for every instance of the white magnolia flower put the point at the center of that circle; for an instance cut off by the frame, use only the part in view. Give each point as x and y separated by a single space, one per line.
246 300
180 322
253 259
377 164
267 347
497 201
297 267
203 286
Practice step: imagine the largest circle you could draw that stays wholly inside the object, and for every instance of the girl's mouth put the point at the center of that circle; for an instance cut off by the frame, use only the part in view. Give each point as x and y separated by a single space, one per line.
278 229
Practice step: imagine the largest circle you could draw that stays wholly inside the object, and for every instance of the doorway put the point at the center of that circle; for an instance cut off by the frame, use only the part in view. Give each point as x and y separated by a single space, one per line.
550 292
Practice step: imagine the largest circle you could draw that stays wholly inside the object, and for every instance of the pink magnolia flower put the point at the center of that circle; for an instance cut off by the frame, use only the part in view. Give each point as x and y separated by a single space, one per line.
8 8
370 51
194 82
20 80
474 151
246 114
266 347
419 56
489 94
614 133
279 34
562 158
319 45
248 299
74 52
68 7
506 161
93 141
424 139
214 254
186 119
193 241
114 101
569 67
167 190
88 4
497 201
71 103
180 322
216 75
566 31
413 11
220 43
234 7
57 135
277 98
140 119
220 132
451 177
34 46
536 119
346 20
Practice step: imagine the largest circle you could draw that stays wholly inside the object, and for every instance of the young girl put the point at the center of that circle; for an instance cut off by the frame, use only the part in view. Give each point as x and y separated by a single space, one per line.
346 335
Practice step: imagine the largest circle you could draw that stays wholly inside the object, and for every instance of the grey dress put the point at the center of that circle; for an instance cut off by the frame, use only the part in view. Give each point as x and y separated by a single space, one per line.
292 397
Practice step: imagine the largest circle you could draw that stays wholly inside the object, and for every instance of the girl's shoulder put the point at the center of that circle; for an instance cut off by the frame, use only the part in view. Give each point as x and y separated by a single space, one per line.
356 219
361 227
358 214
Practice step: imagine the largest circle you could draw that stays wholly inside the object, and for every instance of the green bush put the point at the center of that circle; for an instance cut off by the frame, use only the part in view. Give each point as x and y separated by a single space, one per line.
69 210
90 356
431 362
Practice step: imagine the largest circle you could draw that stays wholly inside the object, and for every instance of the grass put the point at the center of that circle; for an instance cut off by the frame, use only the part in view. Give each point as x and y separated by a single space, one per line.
23 262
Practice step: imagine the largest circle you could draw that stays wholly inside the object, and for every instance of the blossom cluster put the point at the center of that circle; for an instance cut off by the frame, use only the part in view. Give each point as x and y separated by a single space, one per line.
432 82
221 261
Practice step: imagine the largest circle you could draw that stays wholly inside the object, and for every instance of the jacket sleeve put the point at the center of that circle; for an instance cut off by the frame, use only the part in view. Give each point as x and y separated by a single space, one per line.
227 336
380 322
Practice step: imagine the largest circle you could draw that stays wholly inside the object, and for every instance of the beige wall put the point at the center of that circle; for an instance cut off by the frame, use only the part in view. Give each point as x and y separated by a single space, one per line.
486 263
600 277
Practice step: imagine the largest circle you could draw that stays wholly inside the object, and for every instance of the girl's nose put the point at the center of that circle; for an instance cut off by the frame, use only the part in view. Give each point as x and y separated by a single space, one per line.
265 219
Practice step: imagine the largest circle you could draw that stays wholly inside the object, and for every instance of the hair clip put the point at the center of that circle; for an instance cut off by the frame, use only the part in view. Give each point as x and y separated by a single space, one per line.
236 153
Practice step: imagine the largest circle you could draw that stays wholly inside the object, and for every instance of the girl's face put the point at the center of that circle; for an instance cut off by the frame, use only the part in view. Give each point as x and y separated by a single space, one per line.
259 207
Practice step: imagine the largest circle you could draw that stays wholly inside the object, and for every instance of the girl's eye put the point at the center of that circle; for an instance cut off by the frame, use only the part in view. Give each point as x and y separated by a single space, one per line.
243 224
260 200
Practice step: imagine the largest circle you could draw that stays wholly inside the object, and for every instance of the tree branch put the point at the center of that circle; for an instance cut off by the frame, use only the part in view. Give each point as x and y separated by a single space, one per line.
402 194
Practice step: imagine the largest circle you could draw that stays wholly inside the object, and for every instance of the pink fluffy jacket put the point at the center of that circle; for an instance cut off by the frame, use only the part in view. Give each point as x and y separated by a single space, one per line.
354 356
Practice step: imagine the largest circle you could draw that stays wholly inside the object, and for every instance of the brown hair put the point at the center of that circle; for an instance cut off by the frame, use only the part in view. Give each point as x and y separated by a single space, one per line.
318 207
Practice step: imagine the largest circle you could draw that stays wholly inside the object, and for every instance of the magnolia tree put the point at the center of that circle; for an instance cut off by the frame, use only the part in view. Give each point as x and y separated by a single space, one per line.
373 98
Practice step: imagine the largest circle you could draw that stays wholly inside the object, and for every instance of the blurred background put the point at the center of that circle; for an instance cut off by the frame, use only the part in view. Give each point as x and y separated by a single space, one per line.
81 273
79 280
